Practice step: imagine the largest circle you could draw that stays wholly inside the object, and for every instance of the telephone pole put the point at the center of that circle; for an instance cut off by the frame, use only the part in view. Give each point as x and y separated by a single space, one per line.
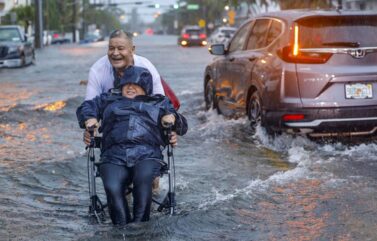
74 13
38 24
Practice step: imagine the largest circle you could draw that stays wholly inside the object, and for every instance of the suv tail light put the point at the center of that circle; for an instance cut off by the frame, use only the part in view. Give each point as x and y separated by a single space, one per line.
293 117
202 35
292 54
185 35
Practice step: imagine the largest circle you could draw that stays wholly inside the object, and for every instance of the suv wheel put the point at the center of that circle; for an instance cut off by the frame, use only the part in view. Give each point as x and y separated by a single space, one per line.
209 95
254 111
23 60
33 60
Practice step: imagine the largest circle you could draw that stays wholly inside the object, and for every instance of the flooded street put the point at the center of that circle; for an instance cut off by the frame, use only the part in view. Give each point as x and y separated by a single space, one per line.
231 184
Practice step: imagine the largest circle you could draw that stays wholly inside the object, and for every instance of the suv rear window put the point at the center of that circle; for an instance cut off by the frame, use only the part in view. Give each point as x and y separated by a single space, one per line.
194 31
338 31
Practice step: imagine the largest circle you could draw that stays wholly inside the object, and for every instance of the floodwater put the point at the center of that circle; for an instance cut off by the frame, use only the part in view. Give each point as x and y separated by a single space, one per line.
231 184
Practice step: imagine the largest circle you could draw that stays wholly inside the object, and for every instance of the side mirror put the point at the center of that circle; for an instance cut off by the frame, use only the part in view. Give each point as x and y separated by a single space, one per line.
217 49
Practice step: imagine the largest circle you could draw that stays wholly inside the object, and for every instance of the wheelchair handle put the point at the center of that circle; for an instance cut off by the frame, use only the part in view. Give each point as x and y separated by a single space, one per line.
91 133
91 130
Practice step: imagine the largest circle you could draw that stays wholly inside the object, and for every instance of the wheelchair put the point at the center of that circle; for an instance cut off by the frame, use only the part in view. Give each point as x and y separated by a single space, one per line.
97 207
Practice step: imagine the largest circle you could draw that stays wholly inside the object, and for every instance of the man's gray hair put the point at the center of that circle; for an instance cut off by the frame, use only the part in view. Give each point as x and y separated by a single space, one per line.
119 33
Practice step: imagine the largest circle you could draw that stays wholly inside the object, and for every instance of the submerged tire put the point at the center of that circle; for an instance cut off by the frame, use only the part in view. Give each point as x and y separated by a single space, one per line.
33 60
254 111
210 95
23 60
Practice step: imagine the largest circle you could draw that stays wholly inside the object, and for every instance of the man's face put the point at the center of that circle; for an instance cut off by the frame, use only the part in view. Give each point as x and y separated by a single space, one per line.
120 52
132 90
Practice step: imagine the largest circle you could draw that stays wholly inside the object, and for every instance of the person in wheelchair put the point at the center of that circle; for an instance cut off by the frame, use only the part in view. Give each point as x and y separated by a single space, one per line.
132 127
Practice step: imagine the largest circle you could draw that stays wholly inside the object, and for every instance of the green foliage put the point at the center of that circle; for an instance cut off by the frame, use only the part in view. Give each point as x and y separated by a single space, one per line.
209 10
59 15
25 15
103 18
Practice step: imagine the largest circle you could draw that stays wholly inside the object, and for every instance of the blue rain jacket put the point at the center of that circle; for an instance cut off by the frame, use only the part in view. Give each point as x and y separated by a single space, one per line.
131 128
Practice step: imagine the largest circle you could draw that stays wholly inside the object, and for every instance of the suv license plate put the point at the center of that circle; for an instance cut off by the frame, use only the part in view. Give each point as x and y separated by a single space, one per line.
359 91
194 36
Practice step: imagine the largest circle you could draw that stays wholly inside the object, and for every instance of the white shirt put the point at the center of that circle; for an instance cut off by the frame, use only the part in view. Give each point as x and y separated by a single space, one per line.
101 76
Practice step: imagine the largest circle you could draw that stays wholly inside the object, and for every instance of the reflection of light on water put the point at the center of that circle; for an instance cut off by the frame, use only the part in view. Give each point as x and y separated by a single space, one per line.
58 105
31 137
307 218
11 94
22 126
6 108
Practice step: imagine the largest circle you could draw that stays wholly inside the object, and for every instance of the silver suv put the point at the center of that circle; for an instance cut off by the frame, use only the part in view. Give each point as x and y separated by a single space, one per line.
300 71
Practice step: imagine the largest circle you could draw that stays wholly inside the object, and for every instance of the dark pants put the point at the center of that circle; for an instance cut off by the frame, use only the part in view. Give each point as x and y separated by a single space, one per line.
117 178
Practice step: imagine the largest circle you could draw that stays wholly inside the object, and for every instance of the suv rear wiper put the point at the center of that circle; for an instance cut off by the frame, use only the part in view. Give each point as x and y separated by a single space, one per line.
342 44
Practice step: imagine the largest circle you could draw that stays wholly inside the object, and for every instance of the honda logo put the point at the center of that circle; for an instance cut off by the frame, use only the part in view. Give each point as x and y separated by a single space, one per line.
357 53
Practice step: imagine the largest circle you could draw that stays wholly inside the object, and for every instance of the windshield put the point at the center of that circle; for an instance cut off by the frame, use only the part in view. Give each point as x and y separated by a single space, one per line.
338 31
9 34
227 32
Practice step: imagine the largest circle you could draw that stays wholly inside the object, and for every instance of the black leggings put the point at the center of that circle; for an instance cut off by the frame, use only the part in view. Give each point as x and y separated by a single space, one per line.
117 178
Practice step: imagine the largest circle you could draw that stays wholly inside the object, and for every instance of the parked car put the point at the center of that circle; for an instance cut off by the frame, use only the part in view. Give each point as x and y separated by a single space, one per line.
92 37
192 35
60 38
222 35
300 71
15 50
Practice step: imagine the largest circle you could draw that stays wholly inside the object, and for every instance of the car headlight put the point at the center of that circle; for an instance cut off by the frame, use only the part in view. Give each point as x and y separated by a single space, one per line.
13 49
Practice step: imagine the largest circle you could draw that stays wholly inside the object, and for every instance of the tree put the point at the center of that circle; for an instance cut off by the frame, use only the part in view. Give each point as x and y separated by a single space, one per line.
24 16
209 10
107 19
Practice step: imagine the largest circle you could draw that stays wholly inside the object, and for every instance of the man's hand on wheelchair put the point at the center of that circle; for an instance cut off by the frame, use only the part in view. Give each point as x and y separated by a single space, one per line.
90 124
168 121
173 139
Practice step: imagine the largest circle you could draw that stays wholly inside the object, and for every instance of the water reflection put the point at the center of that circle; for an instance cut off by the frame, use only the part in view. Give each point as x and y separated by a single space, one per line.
11 94
52 107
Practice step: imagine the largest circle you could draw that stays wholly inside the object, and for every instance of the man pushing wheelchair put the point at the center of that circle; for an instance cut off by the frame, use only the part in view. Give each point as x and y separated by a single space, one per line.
132 126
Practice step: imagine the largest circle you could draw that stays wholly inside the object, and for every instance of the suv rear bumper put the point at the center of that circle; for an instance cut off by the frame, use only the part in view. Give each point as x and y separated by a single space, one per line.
352 121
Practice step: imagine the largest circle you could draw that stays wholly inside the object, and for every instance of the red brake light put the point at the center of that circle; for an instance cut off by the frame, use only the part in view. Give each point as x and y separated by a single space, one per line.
185 35
55 35
293 117
202 35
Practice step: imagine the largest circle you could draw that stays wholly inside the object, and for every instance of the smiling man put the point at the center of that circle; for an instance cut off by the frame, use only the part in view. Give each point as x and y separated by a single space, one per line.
106 72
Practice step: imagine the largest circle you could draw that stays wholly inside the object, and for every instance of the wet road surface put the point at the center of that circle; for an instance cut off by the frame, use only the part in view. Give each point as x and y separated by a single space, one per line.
231 184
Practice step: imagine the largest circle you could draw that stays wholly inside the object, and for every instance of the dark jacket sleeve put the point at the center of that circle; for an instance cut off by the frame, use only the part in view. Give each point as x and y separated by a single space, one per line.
91 109
180 125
